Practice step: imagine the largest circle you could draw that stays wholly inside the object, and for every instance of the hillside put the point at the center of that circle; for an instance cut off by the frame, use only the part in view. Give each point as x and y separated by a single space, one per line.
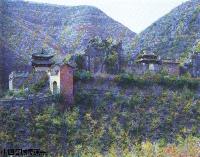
27 27
173 35
114 118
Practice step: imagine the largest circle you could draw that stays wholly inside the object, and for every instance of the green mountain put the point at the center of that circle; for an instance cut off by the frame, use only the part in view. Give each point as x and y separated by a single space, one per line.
173 35
27 27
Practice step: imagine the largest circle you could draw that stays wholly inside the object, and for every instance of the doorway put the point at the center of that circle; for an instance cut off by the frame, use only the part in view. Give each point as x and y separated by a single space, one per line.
55 88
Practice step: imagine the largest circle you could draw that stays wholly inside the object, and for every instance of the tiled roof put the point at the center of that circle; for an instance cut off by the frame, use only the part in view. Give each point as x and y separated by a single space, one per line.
42 62
43 53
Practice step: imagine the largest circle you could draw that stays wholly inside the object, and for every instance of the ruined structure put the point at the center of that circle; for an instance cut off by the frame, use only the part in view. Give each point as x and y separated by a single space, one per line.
58 77
17 79
195 61
111 60
154 64
61 81
1 69
94 58
104 57
172 67
2 8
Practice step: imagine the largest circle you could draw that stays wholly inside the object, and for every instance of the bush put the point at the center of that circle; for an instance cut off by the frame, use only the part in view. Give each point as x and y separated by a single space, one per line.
83 75
38 86
80 61
160 79
19 93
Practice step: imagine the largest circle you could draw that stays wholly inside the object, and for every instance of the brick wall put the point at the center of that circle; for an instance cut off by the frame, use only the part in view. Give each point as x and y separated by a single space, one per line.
67 85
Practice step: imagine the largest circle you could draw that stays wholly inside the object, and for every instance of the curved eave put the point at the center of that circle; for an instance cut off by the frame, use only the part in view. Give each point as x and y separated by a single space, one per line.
149 61
35 56
42 63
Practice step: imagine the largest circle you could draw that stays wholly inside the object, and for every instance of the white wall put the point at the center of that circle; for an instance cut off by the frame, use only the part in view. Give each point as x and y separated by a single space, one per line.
56 78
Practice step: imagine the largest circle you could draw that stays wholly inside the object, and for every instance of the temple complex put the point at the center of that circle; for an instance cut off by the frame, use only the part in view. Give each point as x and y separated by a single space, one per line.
58 77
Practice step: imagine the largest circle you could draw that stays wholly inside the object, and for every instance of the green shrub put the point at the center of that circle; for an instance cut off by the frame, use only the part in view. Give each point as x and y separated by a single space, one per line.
111 61
83 75
37 87
20 93
160 79
80 61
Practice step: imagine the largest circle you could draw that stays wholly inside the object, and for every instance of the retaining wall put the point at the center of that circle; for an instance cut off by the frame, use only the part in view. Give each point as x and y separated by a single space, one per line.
27 102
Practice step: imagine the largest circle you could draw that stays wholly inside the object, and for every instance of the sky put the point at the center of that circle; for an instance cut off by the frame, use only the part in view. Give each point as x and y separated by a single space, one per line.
135 14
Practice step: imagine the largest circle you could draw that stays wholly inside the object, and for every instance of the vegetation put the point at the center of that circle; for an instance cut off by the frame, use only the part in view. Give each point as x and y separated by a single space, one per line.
82 75
142 125
109 52
80 61
67 30
38 86
197 48
174 34
159 79
16 94
111 61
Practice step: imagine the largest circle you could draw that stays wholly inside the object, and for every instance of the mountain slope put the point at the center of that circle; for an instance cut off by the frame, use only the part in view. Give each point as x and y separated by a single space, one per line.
27 27
175 34
62 28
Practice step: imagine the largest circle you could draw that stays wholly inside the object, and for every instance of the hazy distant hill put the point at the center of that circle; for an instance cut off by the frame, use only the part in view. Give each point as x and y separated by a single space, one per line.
174 34
26 27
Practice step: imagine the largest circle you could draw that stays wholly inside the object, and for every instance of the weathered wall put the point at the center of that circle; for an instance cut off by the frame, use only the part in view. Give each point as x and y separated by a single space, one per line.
67 84
1 51
172 69
103 84
1 69
196 65
27 102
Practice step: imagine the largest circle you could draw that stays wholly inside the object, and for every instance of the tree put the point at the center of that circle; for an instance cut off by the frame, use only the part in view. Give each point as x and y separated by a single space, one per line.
197 47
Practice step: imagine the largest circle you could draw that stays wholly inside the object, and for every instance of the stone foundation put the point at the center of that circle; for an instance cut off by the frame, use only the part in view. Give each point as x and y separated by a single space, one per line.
27 102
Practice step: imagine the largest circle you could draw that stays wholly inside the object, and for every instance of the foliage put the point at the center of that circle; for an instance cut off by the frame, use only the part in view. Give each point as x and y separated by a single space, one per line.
83 75
19 93
174 34
110 125
160 79
61 37
110 61
197 47
80 61
109 56
37 87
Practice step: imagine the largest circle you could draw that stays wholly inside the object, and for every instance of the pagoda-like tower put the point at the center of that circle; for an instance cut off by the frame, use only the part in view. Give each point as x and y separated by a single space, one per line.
42 61
148 61
149 58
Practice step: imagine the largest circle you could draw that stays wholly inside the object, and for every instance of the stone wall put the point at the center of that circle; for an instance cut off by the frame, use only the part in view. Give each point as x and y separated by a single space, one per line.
196 65
27 102
1 71
102 85
1 52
